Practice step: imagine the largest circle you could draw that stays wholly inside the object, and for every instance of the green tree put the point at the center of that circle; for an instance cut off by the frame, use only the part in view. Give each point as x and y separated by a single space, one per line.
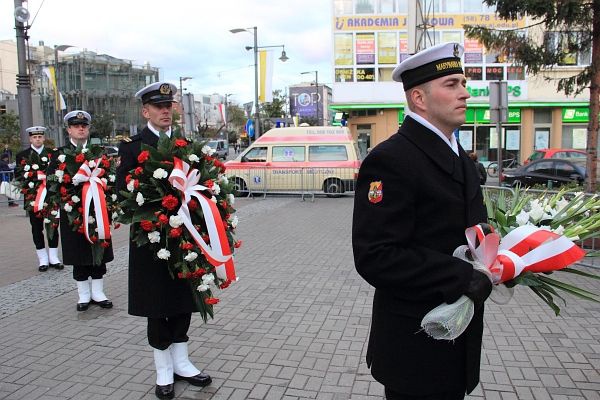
102 126
9 128
276 108
572 27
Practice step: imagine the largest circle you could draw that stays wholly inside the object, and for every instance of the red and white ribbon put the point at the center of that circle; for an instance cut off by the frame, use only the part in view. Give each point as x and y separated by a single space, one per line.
218 253
40 196
527 248
93 191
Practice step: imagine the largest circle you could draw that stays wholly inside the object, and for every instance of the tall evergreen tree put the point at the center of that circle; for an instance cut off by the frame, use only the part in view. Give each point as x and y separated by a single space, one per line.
571 27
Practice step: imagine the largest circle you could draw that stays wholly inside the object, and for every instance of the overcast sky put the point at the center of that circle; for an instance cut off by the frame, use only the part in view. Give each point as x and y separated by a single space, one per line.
190 37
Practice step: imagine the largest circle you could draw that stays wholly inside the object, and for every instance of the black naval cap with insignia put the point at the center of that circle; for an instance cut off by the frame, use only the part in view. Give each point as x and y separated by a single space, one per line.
77 117
429 64
158 92
36 130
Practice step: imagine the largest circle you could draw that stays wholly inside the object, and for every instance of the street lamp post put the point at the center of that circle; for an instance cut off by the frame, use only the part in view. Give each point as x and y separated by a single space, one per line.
283 58
23 80
57 104
181 79
317 88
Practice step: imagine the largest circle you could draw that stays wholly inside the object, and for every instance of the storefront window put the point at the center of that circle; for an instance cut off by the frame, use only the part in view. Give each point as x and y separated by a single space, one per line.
474 73
344 75
387 6
365 48
515 73
365 74
343 48
494 73
365 6
386 48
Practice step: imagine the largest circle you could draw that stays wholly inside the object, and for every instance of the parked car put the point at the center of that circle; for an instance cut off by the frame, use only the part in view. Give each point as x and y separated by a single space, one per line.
556 171
555 153
110 150
220 146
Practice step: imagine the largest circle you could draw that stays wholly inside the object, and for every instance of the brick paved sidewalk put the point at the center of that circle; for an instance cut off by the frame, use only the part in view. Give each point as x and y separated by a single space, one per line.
294 327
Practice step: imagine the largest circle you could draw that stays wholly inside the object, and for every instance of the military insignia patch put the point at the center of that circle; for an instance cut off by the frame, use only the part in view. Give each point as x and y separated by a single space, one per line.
375 192
80 115
456 52
165 89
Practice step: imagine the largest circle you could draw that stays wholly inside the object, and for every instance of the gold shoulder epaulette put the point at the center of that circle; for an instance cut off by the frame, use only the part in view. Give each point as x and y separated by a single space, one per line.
127 139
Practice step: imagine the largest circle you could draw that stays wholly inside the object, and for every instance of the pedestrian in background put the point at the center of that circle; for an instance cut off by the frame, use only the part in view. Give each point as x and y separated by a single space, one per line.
76 250
167 303
7 152
416 194
6 176
37 137
480 168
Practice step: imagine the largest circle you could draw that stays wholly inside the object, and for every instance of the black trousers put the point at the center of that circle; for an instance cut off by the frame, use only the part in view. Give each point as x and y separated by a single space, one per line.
163 332
37 231
83 272
392 395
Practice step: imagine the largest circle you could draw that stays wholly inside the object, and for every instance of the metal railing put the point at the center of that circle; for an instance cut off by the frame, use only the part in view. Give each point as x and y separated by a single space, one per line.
302 181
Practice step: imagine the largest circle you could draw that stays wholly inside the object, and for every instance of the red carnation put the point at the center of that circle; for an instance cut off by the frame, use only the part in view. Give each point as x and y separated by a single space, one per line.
62 166
67 178
94 239
136 184
143 156
175 232
211 300
193 205
81 229
76 221
180 275
225 284
170 202
23 162
187 246
106 163
128 179
105 244
237 244
80 158
117 225
163 219
181 142
147 225
138 171
209 183
63 191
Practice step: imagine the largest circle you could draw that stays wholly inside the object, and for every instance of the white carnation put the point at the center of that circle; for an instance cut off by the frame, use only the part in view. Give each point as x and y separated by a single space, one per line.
216 189
208 279
44 159
191 256
104 181
84 150
68 208
115 216
231 198
91 220
159 173
522 218
206 150
154 237
139 198
92 163
59 173
213 199
203 288
224 179
61 158
46 221
32 203
31 185
163 254
26 168
234 221
75 199
131 185
113 197
35 166
193 158
175 221
54 212
112 177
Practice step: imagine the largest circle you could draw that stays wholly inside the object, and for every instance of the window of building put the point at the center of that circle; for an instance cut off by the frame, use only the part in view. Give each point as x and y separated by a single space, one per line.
342 7
365 48
403 6
327 153
365 74
365 6
494 73
562 41
446 6
542 116
474 73
344 75
288 153
387 48
515 73
343 50
387 6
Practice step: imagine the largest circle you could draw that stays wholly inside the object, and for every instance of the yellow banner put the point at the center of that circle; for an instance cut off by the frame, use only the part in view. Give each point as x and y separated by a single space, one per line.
440 21
265 62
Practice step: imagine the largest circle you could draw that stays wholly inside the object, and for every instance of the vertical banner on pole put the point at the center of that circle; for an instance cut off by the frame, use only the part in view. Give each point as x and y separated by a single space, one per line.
265 62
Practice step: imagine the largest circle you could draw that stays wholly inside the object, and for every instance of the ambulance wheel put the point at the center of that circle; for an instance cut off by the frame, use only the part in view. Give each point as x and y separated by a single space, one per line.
239 187
333 187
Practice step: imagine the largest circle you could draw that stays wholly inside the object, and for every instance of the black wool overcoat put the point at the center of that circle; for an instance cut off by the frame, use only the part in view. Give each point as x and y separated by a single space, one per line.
76 250
403 246
152 291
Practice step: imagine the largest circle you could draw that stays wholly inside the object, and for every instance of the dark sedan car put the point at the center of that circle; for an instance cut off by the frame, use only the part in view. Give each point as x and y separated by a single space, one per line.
554 171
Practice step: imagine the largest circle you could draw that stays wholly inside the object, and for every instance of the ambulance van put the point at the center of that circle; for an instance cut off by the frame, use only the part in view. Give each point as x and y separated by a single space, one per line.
311 159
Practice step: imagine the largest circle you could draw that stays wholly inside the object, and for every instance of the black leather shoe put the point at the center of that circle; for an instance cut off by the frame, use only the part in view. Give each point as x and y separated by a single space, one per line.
82 306
201 379
103 303
43 268
165 391
58 266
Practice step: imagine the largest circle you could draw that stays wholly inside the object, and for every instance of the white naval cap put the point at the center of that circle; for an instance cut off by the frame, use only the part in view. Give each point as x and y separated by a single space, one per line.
36 130
157 92
77 117
429 64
